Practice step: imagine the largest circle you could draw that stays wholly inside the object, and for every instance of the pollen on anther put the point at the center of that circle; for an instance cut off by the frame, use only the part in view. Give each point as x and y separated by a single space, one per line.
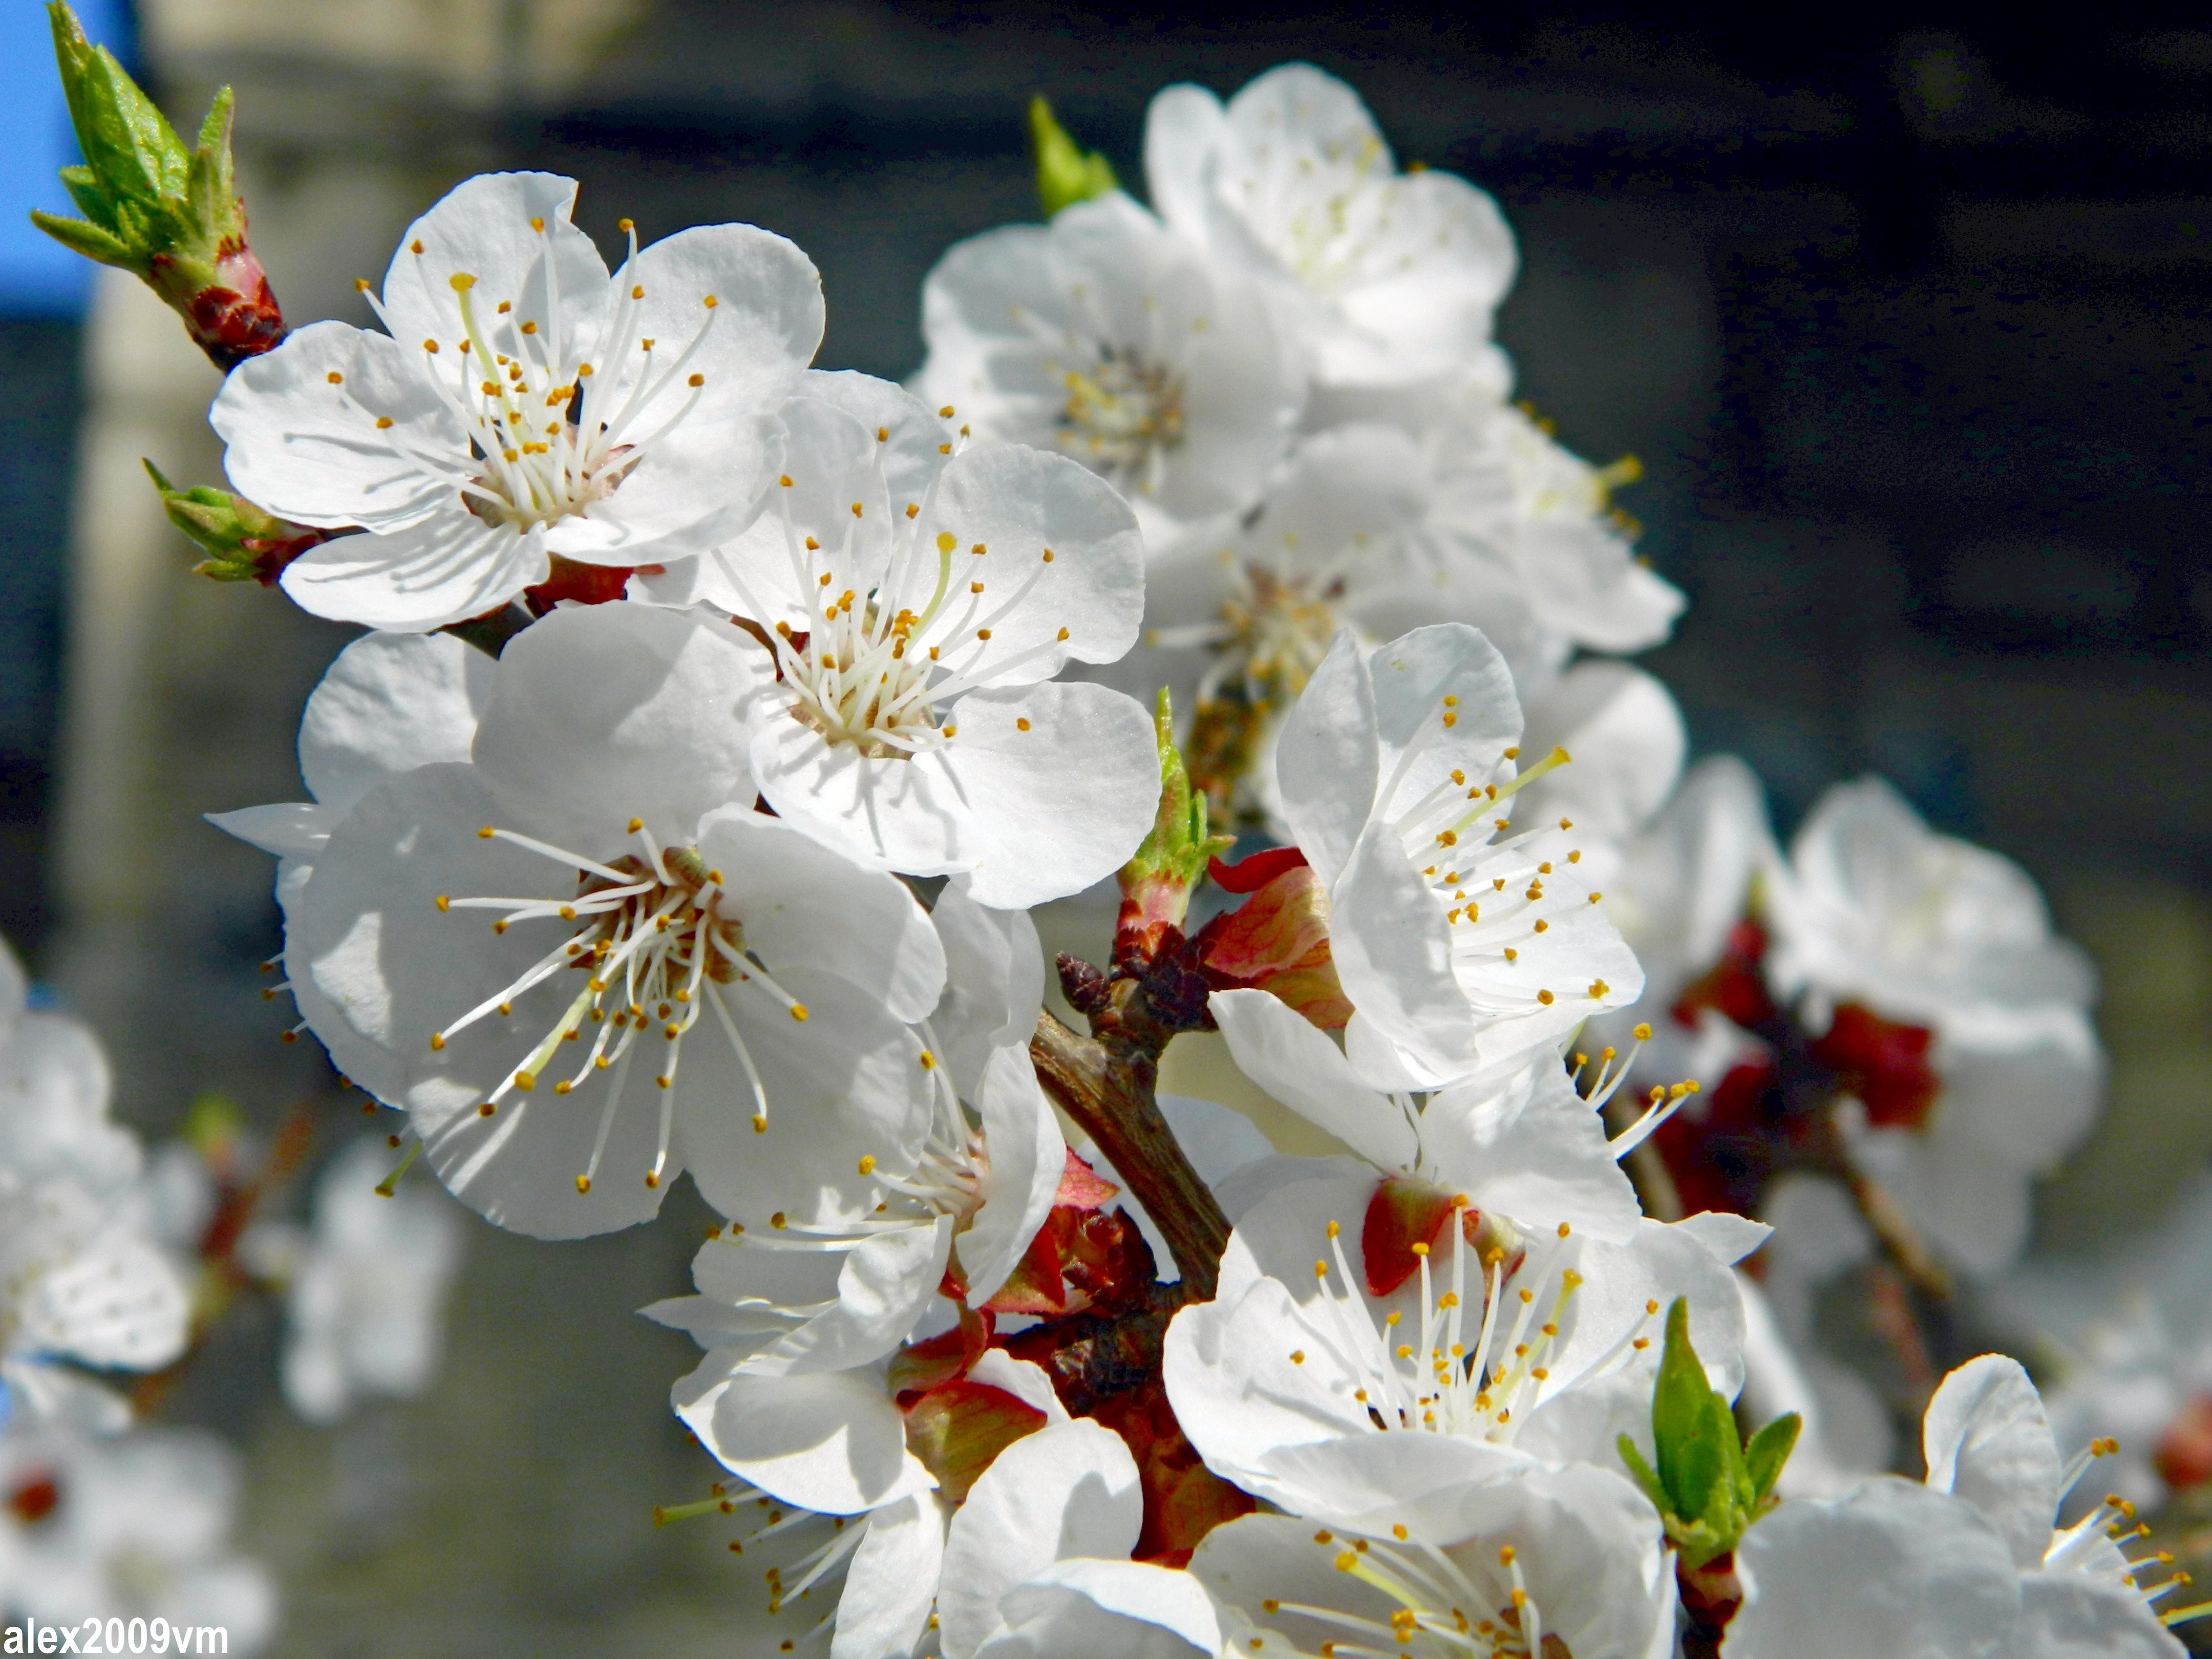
798 1011
383 422
431 345
946 413
1543 997
1063 634
1022 723
711 302
760 1124
486 1109
334 377
537 223
697 380
913 509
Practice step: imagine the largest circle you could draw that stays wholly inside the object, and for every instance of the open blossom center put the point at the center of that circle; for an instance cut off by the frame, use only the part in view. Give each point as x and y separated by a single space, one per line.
1468 1603
555 420
1122 412
859 680
876 675
1499 894
657 952
1475 1374
1280 631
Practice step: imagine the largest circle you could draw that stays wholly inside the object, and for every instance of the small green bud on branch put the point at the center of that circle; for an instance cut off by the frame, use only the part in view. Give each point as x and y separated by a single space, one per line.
1172 860
168 215
242 542
1711 1484
1066 173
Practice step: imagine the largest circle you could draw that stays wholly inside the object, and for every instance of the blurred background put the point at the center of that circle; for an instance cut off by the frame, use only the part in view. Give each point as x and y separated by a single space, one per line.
1903 306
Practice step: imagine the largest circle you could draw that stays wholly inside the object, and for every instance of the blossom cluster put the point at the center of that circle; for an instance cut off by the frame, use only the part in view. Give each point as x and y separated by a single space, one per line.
721 721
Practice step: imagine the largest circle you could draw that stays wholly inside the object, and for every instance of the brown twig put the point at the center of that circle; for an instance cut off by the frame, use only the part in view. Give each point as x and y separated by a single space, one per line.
1107 1088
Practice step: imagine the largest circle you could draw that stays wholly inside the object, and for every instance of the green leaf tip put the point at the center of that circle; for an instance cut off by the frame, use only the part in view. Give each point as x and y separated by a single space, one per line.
1066 173
1708 1484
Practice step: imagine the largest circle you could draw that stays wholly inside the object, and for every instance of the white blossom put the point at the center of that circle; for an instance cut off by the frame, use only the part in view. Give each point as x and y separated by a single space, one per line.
83 1279
918 602
1460 943
1321 1376
132 1528
1110 339
523 406
1875 912
630 898
1390 278
365 1298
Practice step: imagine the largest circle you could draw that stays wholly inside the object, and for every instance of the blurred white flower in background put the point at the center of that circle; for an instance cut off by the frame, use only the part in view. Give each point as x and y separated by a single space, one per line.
365 1286
133 1526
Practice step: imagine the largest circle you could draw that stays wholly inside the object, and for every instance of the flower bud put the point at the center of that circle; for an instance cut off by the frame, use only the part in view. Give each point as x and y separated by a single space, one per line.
169 216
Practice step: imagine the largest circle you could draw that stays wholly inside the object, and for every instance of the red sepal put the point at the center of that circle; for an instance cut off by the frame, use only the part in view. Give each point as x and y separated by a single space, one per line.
1249 875
943 1359
586 583
958 1429
1883 1063
2184 1457
1404 1212
1082 1188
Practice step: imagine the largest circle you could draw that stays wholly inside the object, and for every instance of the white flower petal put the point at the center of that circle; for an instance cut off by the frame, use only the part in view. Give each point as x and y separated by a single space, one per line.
605 712
300 424
388 704
446 568
834 1442
1063 1491
1027 1159
1327 765
1986 1439
892 1583
1892 1569
1281 1051
993 983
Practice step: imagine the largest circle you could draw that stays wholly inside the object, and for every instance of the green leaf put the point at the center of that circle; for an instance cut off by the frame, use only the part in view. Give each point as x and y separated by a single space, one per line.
1644 1476
127 141
1767 1451
210 187
1066 173
1690 1459
90 239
